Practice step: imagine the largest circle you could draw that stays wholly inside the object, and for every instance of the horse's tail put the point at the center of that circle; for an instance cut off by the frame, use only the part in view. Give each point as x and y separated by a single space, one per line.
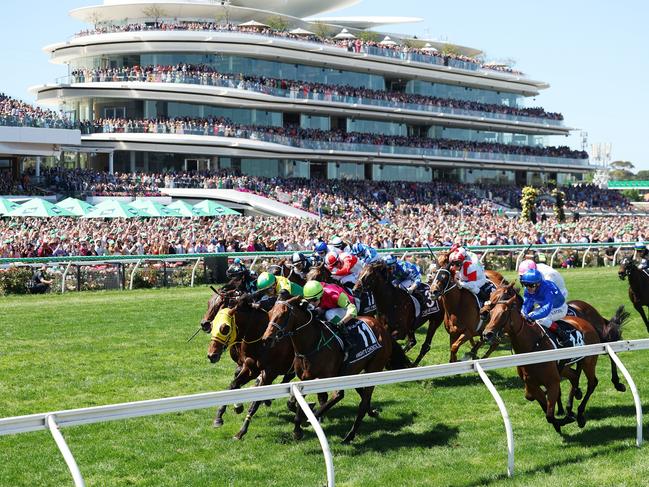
612 331
398 359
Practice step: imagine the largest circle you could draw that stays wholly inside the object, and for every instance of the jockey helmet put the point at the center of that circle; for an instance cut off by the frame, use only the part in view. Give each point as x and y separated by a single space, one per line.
331 259
298 258
390 259
531 277
640 246
313 290
321 247
525 266
357 248
265 281
337 242
458 255
235 270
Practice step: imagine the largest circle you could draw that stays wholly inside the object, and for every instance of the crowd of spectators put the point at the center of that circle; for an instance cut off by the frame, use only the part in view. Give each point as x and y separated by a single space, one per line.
205 75
392 49
314 138
17 113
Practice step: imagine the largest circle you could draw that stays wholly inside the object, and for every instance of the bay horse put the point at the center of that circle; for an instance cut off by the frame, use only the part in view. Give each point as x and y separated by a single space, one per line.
319 354
494 276
238 328
396 306
462 315
505 317
638 287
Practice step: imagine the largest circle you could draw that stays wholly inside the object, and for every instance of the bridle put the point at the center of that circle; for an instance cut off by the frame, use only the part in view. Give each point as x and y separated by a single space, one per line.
281 328
450 282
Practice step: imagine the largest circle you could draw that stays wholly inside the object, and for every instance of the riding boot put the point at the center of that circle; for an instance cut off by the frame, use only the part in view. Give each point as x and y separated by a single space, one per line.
564 337
344 335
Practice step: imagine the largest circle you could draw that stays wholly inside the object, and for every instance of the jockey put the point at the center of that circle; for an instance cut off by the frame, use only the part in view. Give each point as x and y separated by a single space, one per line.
365 253
548 273
544 303
241 276
405 275
469 273
344 267
337 305
642 250
271 285
320 251
301 263
338 246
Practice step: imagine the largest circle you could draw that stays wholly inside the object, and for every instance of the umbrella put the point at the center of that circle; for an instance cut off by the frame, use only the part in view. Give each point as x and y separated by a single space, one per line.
115 209
301 32
344 34
387 42
428 48
254 23
185 209
7 206
37 207
214 209
154 209
73 205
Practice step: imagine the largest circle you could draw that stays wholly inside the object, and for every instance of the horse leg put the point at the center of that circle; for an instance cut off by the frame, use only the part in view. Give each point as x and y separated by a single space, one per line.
298 433
456 345
335 399
492 349
553 392
425 348
242 376
412 340
615 379
474 350
363 408
262 380
640 309
589 369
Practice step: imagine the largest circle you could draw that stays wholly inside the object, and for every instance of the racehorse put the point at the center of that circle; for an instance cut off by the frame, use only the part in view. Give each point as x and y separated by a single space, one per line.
319 354
396 305
638 287
462 316
367 304
494 276
505 317
238 327
286 269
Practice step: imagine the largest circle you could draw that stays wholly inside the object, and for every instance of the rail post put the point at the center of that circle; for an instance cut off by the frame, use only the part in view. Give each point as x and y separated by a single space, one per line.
518 259
554 254
65 274
615 255
198 261
322 438
503 411
137 264
583 259
482 257
634 392
65 451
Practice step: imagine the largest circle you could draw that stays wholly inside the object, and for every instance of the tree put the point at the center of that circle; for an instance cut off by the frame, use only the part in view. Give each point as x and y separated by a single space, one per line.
621 175
642 175
369 36
622 165
277 23
450 50
320 30
632 194
155 11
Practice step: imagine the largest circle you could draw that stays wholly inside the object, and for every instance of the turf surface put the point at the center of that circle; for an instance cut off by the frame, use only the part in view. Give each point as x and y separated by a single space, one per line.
77 350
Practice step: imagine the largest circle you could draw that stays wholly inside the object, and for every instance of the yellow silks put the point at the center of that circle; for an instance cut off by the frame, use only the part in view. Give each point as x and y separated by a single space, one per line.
224 328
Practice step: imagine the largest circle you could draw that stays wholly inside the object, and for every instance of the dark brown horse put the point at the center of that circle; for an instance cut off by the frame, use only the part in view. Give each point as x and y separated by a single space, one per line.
505 317
286 269
638 287
318 355
397 307
239 329
462 316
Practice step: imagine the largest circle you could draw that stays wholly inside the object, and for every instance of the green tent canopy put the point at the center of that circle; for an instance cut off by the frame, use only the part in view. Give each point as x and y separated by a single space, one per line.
73 205
214 209
154 209
115 209
39 208
7 206
185 209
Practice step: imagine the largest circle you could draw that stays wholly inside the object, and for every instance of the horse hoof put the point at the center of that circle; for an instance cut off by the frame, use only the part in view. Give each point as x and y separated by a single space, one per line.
238 436
578 394
373 413
557 427
217 423
581 421
298 435
238 408
620 387
268 402
348 439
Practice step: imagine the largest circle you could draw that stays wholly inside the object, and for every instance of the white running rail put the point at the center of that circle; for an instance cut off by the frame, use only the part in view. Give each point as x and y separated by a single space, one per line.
47 421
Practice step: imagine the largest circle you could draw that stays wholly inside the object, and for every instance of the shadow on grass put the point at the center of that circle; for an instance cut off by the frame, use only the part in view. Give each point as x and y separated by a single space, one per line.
599 435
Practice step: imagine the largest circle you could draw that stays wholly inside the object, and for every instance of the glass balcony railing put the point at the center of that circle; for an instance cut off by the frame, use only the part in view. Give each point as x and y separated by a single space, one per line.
296 94
36 122
320 145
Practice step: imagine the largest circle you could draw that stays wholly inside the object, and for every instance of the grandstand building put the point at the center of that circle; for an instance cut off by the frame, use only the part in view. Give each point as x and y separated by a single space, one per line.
138 62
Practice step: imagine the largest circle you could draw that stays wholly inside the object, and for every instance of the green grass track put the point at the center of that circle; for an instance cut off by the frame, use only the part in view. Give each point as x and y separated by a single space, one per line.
78 350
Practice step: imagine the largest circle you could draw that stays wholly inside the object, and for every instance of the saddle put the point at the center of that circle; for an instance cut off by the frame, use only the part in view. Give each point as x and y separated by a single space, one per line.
359 341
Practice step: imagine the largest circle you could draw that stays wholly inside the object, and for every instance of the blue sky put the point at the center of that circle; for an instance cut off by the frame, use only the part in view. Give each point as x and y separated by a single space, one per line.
592 52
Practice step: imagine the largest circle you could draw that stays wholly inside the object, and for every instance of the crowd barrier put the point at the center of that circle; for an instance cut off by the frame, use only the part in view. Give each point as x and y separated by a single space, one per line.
52 421
151 271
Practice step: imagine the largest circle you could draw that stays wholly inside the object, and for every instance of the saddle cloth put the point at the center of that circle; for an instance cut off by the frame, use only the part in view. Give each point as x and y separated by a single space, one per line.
576 340
361 342
425 305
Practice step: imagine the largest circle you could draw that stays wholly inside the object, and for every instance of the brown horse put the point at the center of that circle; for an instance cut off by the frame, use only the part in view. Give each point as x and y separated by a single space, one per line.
318 355
462 316
397 307
505 317
286 269
638 287
239 329
494 276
